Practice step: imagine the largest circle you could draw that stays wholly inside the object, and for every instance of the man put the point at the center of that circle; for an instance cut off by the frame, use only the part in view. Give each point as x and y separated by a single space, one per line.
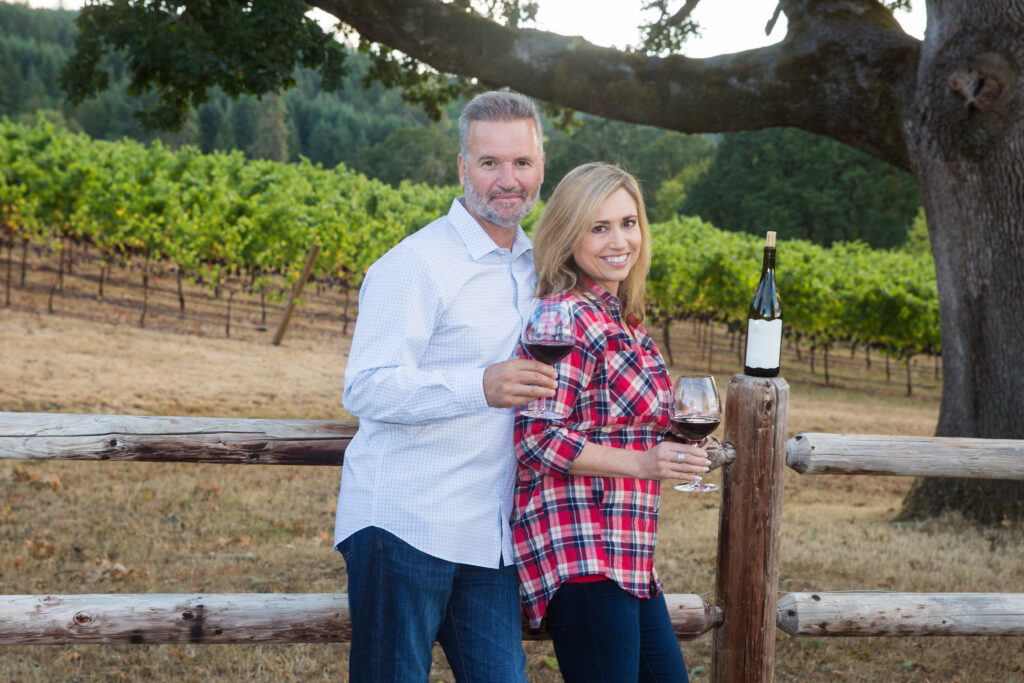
426 489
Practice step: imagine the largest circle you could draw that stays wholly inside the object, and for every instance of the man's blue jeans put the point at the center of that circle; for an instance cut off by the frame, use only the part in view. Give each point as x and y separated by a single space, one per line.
603 634
402 600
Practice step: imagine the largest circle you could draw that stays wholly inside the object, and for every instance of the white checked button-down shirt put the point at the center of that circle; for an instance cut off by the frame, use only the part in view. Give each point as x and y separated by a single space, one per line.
432 463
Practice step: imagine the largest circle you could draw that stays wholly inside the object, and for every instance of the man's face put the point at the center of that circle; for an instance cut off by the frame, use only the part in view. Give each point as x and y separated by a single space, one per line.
502 174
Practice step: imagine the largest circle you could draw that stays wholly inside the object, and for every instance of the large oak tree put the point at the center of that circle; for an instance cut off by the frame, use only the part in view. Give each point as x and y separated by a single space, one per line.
947 109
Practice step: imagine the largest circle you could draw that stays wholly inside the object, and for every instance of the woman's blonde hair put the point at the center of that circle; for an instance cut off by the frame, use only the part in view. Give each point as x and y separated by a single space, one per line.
568 215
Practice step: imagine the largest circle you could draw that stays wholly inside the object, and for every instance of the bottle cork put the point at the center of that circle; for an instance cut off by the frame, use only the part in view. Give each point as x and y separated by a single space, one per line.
770 242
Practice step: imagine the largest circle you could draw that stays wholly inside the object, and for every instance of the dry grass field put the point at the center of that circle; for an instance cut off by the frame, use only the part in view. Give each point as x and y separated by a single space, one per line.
87 527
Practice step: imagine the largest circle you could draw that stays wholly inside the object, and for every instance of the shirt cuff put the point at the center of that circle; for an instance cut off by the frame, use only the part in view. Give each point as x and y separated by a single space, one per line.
468 387
561 451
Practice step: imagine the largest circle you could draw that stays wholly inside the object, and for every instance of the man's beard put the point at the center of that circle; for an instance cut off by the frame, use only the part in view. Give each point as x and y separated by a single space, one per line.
481 206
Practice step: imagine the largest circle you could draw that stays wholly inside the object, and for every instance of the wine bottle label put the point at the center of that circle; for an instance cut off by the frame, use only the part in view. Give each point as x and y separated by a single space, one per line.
764 343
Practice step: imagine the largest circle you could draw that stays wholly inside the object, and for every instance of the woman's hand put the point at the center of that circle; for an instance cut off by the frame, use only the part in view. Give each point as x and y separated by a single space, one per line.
672 460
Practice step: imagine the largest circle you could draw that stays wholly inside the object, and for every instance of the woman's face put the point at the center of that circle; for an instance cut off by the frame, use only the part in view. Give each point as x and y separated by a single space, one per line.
611 246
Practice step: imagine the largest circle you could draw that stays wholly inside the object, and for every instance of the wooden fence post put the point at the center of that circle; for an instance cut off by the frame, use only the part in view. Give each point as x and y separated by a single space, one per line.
750 525
307 268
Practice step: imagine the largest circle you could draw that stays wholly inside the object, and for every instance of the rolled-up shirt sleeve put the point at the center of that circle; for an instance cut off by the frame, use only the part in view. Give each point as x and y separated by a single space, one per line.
400 304
550 447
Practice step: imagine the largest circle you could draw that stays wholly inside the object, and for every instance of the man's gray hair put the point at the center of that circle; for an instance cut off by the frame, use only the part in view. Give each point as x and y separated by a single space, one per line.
498 106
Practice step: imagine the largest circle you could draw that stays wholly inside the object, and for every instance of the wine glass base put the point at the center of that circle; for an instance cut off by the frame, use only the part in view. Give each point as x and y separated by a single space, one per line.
539 414
695 487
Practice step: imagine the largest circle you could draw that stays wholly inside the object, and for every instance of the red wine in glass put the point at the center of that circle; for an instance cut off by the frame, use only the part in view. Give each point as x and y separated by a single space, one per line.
694 429
549 336
696 412
548 353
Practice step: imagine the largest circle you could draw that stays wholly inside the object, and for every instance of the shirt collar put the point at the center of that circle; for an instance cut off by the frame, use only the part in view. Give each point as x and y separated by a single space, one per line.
478 242
603 295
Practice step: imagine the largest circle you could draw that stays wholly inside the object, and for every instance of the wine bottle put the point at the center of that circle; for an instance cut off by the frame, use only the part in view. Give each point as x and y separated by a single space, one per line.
764 321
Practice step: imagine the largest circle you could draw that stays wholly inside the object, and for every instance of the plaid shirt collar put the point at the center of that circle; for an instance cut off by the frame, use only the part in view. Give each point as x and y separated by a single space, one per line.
608 301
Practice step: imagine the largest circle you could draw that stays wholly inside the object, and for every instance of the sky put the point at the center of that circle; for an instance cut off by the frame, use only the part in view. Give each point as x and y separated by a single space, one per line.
615 24
722 33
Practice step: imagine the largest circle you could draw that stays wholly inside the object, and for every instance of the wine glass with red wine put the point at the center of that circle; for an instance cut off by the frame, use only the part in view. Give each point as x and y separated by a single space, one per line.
696 412
549 335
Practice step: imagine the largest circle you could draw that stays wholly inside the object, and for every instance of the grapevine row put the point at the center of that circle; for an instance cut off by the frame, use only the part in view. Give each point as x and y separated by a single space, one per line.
220 217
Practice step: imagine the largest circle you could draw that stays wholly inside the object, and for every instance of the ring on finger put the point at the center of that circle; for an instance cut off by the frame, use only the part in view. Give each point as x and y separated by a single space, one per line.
680 458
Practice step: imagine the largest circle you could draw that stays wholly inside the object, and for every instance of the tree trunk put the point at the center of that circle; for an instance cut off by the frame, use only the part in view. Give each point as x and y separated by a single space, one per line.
965 136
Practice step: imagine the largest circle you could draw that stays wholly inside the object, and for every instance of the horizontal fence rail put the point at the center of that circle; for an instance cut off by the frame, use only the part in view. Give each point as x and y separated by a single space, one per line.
902 614
912 456
229 618
219 440
50 436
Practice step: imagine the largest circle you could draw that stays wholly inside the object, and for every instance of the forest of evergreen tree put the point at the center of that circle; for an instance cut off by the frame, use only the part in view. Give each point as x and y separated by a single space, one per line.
800 185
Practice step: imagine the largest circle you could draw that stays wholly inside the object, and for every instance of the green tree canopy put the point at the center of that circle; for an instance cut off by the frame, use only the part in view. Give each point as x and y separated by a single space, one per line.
804 186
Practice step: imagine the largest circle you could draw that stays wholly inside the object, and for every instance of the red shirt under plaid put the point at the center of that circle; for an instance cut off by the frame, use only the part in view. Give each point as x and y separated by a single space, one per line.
615 389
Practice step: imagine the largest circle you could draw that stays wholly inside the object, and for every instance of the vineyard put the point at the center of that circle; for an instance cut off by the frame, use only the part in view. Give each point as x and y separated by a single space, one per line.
230 226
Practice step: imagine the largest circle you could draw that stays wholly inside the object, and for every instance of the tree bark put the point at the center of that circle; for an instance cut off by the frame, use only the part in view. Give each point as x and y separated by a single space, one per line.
964 137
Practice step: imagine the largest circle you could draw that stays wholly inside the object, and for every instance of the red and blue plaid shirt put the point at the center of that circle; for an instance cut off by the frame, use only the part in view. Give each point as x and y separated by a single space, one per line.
615 389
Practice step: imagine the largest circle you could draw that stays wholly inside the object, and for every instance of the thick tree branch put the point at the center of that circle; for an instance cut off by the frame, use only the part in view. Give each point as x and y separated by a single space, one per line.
844 70
684 13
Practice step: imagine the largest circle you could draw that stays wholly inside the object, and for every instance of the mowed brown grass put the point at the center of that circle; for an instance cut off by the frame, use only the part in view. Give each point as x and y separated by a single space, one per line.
86 527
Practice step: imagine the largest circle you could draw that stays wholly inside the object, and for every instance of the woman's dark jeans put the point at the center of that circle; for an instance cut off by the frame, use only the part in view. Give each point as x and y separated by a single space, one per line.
602 633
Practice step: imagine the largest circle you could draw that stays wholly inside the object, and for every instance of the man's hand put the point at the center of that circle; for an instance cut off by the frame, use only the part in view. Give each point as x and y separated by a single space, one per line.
518 381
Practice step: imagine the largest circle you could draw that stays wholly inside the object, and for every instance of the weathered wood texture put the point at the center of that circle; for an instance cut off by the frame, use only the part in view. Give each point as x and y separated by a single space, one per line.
55 436
173 439
902 614
238 618
906 455
720 454
750 525
171 618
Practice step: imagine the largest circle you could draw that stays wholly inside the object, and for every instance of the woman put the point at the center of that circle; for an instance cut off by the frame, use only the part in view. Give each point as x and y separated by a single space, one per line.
588 488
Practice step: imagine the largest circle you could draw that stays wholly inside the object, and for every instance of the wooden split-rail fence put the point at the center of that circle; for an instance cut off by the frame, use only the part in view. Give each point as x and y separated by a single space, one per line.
743 618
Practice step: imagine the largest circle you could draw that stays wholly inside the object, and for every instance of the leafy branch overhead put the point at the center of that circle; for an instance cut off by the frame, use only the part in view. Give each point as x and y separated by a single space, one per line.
178 49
